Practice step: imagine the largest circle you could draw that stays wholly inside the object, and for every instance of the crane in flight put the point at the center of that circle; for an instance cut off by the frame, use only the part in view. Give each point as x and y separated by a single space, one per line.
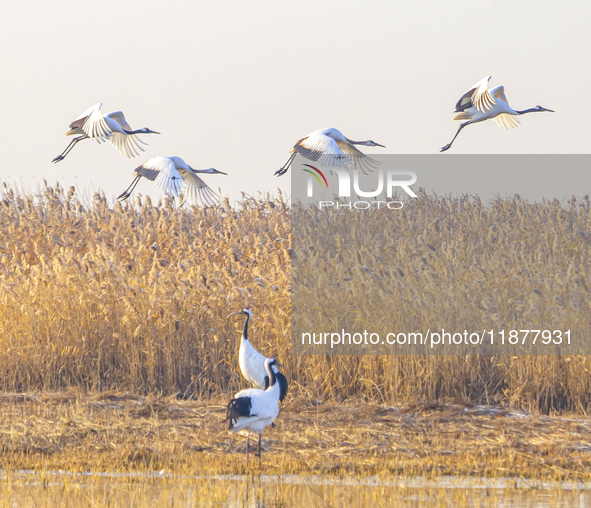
479 104
112 127
253 409
329 147
176 178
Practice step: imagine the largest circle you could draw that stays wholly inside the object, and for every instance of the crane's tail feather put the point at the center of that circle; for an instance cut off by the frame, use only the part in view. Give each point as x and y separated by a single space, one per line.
237 408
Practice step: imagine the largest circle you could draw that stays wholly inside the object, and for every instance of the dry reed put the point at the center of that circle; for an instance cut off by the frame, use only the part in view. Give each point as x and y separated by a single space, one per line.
135 298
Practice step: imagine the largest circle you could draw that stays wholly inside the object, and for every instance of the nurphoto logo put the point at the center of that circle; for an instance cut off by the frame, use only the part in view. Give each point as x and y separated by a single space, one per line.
379 183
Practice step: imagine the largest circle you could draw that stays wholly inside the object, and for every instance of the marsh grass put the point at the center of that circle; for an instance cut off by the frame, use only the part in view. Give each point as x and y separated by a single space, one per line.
135 298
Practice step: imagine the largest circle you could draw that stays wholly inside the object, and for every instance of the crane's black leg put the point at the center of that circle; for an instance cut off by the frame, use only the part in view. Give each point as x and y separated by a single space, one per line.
69 148
285 167
129 190
260 449
448 146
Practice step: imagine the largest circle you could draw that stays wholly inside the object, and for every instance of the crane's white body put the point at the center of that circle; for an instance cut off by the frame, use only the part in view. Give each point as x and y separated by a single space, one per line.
330 147
176 179
252 364
264 410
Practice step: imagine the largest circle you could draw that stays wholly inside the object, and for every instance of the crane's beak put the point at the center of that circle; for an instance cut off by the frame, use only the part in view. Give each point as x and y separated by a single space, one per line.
234 313
549 110
377 144
278 363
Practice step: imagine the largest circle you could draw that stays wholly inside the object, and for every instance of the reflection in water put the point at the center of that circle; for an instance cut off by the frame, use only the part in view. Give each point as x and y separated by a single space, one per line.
30 489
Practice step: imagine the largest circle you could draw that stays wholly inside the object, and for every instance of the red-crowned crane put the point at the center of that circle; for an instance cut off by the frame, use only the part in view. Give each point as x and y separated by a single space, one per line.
329 147
479 104
176 178
111 127
253 409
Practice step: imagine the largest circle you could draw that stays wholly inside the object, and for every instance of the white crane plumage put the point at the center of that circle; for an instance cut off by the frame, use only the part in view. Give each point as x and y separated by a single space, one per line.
253 409
252 363
176 178
479 104
329 147
112 127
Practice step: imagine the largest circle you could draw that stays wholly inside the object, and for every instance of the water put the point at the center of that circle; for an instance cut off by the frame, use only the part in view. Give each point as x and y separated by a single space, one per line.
59 488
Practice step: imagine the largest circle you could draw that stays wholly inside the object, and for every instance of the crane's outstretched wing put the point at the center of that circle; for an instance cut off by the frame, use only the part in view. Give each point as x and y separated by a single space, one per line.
499 93
504 120
162 172
360 161
93 124
507 121
322 149
127 144
197 189
477 96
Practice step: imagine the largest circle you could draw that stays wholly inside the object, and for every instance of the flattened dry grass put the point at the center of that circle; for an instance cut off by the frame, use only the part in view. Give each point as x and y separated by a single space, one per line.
125 432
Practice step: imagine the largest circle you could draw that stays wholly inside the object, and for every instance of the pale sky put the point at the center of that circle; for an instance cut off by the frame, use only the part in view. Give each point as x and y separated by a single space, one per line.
233 85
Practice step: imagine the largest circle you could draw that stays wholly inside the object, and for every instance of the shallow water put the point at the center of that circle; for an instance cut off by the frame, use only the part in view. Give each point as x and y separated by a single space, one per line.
59 488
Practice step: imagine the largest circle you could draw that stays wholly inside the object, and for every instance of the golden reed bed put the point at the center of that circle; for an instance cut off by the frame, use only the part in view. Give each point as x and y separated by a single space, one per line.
135 298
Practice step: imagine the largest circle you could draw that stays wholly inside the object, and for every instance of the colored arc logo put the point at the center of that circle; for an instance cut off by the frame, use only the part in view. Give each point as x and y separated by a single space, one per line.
319 173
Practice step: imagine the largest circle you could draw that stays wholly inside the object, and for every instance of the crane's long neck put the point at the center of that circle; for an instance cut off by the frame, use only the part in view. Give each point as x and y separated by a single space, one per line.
139 131
271 374
524 111
245 330
366 143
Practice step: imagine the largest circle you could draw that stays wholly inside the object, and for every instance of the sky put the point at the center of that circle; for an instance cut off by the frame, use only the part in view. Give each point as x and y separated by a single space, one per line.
233 85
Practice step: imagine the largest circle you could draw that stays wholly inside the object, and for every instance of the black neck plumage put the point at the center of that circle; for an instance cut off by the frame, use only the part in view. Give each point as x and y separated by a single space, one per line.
245 331
524 111
272 377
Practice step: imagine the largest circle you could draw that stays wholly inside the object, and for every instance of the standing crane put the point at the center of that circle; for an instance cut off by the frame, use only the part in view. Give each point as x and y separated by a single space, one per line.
176 178
329 147
252 363
112 127
253 409
479 104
